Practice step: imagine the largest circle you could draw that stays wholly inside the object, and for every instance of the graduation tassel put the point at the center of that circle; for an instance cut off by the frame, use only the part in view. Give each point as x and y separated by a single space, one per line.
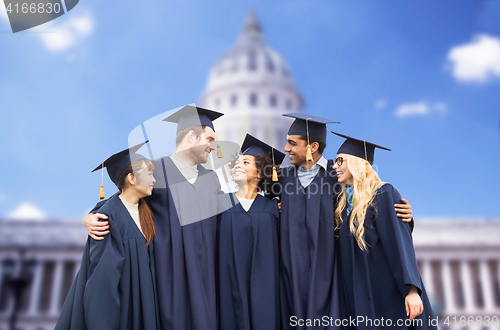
219 152
101 191
275 173
309 156
367 164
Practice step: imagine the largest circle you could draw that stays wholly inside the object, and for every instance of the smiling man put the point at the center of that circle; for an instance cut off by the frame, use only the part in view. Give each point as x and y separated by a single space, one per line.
184 206
308 277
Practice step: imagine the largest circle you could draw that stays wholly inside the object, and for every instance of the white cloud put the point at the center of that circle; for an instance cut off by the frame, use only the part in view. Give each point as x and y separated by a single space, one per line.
380 104
477 61
64 35
63 32
26 211
422 108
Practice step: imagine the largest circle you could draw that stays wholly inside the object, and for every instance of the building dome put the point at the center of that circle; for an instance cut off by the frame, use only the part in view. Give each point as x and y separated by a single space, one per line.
253 86
251 62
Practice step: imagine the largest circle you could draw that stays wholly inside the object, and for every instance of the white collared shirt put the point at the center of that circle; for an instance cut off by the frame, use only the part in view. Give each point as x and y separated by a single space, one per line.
189 172
307 176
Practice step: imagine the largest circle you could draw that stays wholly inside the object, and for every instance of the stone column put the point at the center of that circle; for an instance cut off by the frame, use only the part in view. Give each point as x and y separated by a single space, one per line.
467 285
428 278
486 286
55 296
36 290
449 294
10 298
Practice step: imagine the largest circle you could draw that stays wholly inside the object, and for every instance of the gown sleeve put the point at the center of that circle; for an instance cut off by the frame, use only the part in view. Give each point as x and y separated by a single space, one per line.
396 240
101 299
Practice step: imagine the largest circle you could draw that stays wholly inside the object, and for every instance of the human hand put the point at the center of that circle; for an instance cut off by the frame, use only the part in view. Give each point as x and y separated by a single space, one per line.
279 204
404 210
94 227
413 303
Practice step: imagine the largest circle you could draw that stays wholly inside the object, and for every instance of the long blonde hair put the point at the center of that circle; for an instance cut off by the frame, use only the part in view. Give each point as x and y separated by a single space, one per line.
364 192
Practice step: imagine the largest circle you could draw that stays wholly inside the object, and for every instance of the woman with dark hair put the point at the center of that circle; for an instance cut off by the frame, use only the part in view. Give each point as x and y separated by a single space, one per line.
248 243
115 287
380 281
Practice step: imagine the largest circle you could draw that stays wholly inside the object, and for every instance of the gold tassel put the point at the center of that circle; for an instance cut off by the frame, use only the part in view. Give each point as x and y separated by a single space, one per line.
219 152
101 192
309 156
275 174
366 162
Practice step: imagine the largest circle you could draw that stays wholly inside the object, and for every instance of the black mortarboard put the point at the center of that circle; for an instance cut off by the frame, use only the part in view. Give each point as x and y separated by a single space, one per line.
190 115
119 161
359 148
308 125
253 147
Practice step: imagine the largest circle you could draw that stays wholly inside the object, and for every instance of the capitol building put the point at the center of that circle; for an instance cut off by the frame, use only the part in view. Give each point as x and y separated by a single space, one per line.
459 259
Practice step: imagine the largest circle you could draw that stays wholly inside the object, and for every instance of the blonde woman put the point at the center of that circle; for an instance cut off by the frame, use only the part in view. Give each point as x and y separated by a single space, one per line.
380 282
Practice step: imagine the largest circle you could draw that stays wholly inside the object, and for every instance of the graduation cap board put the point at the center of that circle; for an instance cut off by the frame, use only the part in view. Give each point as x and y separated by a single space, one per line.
116 163
190 115
254 147
310 126
358 148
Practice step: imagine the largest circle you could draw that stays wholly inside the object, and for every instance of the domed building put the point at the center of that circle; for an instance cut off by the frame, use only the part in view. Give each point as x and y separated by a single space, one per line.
253 86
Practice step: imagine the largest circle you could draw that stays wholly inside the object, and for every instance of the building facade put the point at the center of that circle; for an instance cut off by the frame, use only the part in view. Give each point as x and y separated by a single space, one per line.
459 261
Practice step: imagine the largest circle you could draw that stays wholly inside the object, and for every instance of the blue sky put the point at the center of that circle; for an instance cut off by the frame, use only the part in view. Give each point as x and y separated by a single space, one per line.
420 77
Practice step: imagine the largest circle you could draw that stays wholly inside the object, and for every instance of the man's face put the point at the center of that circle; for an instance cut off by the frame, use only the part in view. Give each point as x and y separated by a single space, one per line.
204 145
296 149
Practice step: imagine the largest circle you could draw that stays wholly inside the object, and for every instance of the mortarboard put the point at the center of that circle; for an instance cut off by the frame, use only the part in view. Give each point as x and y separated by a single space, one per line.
310 126
116 163
305 124
253 147
359 148
190 115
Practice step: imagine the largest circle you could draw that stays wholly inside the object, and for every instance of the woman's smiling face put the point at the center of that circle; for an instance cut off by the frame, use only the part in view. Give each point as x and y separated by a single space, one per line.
343 173
245 169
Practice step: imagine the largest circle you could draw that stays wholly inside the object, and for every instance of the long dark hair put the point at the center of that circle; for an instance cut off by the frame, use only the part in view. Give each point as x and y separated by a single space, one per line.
145 215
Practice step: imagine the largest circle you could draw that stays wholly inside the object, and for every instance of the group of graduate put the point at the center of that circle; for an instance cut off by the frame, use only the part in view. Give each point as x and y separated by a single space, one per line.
312 245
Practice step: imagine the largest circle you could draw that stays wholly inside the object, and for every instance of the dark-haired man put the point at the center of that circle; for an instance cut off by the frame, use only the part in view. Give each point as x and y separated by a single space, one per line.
308 277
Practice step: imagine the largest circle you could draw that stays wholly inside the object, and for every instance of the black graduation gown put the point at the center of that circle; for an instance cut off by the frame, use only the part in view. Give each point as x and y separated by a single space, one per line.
308 277
375 283
115 287
248 266
185 255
